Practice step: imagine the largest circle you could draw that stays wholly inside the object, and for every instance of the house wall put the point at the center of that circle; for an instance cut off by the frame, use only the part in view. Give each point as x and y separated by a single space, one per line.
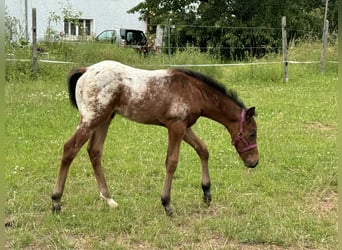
106 14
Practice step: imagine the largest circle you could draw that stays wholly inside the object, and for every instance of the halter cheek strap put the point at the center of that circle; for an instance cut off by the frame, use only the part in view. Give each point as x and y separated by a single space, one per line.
240 137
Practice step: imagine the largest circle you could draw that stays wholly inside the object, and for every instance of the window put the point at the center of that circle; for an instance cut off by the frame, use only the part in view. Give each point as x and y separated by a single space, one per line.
73 27
79 27
87 27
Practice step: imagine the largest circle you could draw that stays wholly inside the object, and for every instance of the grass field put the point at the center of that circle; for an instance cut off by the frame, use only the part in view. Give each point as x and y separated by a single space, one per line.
288 202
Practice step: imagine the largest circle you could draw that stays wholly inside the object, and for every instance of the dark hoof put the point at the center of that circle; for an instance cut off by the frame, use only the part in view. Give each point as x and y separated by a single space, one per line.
207 200
56 208
168 211
166 204
206 194
56 202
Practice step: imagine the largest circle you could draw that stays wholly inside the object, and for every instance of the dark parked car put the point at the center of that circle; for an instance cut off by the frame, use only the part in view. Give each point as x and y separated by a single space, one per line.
131 38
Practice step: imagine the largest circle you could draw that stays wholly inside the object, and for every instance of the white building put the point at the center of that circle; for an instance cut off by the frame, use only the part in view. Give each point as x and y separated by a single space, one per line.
92 16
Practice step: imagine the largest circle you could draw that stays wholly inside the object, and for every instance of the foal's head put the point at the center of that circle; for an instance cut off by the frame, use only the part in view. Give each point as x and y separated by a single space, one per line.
245 138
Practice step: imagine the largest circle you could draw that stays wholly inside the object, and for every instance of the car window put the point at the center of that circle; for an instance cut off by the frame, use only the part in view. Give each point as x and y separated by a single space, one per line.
108 35
123 33
134 37
129 37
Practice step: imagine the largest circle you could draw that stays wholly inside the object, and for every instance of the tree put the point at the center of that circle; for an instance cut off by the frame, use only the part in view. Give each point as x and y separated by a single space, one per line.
14 30
159 11
235 28
67 15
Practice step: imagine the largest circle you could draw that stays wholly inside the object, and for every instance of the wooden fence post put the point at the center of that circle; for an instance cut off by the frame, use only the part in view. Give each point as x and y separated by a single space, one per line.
284 43
324 48
34 41
169 38
324 37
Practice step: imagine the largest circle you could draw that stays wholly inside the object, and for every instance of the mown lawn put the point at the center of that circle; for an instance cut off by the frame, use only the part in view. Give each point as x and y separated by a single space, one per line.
288 202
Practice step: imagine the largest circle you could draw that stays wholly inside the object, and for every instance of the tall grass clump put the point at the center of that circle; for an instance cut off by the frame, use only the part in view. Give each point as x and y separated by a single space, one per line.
18 72
87 53
192 56
304 60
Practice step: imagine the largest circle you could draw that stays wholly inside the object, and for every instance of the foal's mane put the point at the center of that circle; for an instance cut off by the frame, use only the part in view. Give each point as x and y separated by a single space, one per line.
214 84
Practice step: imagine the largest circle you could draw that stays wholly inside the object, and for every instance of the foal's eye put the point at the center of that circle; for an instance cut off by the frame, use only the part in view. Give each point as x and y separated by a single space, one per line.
252 135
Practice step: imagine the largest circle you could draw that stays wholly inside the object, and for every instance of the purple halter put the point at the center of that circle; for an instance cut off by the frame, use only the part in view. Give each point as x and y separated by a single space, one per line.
241 138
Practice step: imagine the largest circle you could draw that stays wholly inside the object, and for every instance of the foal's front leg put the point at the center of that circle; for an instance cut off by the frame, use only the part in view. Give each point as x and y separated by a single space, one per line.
201 149
175 135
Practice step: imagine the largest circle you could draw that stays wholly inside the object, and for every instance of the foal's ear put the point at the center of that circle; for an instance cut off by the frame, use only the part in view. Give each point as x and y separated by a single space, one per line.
250 113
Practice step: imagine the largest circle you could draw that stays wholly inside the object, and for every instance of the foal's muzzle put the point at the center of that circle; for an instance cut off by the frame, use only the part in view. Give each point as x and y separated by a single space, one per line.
251 164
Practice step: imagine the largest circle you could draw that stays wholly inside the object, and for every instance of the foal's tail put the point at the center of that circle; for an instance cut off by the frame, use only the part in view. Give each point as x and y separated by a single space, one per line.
73 77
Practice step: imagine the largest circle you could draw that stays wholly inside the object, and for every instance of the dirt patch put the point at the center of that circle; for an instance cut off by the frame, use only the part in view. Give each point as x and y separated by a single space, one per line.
217 243
320 126
223 244
327 204
329 130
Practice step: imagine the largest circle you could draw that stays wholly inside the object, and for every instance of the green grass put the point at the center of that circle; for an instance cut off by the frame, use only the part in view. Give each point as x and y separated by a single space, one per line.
288 202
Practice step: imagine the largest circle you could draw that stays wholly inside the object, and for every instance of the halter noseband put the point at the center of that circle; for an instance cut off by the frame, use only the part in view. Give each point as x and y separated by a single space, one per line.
240 137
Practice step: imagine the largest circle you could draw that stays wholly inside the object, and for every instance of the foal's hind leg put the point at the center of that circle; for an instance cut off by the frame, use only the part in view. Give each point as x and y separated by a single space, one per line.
95 149
194 141
71 148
